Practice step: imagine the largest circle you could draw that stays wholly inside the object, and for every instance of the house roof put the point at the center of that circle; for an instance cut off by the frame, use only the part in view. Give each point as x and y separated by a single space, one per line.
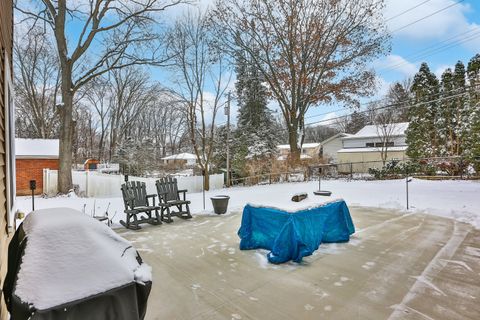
181 156
373 149
304 146
370 131
340 134
37 148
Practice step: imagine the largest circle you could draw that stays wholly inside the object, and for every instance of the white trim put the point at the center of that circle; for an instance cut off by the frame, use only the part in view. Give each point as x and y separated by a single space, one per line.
10 182
374 149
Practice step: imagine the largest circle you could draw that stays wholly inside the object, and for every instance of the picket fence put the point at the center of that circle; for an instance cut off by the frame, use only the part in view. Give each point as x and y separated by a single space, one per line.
100 185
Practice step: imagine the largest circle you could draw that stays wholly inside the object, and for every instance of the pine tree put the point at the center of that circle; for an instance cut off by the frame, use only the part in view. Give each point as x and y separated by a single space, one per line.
461 114
445 121
257 133
472 143
421 135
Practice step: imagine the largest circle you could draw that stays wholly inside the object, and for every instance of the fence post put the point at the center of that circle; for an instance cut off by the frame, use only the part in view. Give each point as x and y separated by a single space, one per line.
406 184
46 177
351 171
461 168
86 184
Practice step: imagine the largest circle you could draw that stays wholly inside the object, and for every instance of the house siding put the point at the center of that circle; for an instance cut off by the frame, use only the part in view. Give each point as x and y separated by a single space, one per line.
6 44
32 169
361 142
331 147
357 159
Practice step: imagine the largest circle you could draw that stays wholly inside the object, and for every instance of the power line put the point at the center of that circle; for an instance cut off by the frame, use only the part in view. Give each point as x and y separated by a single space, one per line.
428 16
432 50
402 104
406 11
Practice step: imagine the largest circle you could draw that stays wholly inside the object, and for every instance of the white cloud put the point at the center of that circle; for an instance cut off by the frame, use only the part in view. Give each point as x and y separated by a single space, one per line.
438 71
397 63
439 26
329 118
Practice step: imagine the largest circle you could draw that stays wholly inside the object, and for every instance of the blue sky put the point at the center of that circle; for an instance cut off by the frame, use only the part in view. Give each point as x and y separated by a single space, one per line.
440 40
451 34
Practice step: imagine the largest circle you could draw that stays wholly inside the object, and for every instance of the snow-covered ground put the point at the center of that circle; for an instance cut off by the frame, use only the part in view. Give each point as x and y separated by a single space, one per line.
459 200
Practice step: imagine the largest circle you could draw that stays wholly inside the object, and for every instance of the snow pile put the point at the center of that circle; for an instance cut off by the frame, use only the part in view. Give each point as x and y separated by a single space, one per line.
28 148
70 256
287 205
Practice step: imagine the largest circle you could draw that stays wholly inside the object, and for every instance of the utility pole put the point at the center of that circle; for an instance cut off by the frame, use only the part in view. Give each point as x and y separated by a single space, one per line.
227 113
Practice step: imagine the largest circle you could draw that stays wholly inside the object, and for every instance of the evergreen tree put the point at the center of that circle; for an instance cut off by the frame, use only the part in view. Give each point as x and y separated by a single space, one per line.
472 148
446 119
421 135
461 115
257 133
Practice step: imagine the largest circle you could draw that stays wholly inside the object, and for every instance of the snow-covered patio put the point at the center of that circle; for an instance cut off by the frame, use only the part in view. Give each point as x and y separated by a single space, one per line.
397 266
418 264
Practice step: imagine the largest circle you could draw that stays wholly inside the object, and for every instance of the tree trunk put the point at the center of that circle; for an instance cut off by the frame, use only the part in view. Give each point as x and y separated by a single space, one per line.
206 181
66 138
294 155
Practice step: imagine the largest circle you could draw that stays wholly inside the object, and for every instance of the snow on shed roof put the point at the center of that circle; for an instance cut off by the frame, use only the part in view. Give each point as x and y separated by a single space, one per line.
304 146
371 131
181 156
37 148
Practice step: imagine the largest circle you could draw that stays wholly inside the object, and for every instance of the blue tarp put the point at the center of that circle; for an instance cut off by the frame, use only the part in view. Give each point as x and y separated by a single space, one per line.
292 236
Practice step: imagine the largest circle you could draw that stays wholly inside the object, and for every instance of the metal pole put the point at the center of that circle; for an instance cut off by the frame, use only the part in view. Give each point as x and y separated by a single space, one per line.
203 189
33 200
227 112
406 184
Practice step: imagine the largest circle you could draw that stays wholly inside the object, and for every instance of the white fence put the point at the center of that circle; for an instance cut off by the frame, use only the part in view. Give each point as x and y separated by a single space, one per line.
95 184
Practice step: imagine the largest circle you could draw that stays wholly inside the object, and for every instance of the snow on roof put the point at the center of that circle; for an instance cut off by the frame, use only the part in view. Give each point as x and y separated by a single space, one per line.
304 146
70 256
371 131
373 149
181 156
37 148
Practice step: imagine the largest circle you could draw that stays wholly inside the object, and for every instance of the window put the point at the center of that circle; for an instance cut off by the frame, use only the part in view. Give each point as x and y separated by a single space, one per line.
370 144
380 144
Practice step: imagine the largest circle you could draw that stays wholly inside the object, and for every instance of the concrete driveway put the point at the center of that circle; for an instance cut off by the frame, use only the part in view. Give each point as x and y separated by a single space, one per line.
396 266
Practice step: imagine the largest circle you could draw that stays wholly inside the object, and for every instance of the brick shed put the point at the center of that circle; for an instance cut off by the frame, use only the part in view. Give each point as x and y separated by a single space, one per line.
31 157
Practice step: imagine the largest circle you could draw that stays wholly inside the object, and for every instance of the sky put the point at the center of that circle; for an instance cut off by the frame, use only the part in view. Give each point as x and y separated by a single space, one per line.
439 32
446 31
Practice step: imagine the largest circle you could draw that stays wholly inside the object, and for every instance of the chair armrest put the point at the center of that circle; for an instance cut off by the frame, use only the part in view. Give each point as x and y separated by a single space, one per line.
151 196
184 191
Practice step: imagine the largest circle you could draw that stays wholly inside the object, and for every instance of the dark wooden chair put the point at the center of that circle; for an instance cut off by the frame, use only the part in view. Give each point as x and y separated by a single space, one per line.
169 197
136 201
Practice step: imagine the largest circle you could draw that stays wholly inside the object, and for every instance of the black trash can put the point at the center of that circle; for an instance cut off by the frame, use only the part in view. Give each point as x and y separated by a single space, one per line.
220 203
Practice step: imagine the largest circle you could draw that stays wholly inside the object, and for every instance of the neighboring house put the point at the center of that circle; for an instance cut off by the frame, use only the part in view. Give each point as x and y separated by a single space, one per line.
330 146
31 157
7 163
366 146
185 158
309 150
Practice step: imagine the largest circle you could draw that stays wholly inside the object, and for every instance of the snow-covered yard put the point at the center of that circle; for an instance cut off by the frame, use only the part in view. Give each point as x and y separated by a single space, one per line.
455 199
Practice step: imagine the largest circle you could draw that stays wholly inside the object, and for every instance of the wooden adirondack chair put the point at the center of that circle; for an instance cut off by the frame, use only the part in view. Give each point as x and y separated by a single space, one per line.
136 201
169 197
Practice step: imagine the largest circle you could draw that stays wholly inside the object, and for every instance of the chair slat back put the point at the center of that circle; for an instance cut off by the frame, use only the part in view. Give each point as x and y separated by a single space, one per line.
134 194
169 186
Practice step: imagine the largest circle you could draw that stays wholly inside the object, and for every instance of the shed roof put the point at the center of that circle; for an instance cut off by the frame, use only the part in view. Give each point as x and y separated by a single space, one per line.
37 148
181 156
371 131
304 146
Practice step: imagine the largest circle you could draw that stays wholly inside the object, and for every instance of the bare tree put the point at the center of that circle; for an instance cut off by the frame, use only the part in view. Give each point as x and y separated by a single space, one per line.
37 83
113 34
309 51
201 65
386 126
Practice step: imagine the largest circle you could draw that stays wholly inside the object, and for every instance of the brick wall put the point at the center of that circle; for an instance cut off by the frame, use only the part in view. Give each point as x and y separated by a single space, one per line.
32 169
